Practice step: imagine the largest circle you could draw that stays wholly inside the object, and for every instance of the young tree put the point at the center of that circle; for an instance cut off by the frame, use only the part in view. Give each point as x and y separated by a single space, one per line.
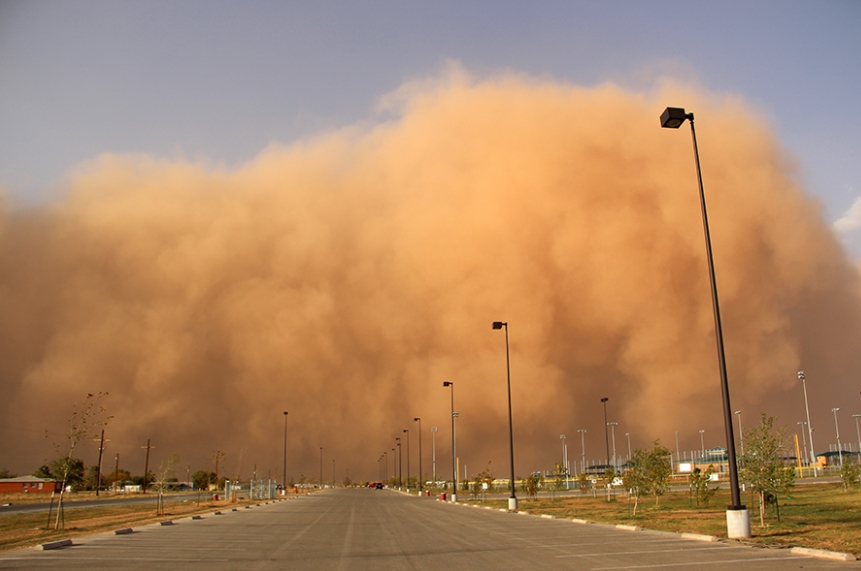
83 425
699 482
162 478
583 480
484 478
762 462
850 473
202 479
648 472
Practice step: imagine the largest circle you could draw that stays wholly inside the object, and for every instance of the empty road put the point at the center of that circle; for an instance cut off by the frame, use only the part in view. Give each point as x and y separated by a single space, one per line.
363 529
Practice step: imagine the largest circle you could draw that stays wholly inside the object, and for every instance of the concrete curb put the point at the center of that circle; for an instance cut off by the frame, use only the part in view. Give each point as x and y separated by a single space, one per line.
55 544
583 521
629 527
166 522
822 554
699 537
124 531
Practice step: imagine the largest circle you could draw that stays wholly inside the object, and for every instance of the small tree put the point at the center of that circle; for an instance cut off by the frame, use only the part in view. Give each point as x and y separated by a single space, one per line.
850 473
762 463
484 480
699 482
82 426
648 472
162 478
583 480
531 485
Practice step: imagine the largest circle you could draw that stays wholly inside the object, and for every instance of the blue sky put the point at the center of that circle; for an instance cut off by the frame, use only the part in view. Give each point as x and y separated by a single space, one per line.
222 80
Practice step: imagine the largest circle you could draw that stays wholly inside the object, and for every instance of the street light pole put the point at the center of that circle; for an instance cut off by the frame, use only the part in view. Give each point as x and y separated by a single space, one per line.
321 467
809 426
858 433
678 457
433 439
421 477
565 459
613 426
837 430
628 434
400 464
740 433
582 432
407 432
702 444
606 432
284 474
512 501
738 518
453 443
386 454
804 441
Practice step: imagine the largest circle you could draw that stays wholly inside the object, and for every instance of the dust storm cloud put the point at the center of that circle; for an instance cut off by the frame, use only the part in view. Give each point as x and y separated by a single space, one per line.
343 278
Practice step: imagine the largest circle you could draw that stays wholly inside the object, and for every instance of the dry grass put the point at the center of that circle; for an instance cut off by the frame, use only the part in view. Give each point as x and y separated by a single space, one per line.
821 516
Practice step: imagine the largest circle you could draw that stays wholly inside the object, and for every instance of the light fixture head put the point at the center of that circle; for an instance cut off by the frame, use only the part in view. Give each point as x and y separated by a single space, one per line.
416 419
673 117
498 324
447 383
605 399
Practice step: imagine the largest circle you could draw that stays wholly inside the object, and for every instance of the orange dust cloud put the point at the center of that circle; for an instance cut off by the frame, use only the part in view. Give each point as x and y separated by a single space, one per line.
344 278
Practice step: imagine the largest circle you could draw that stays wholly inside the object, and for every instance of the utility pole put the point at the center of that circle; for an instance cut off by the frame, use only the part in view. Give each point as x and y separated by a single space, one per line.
146 465
99 469
117 473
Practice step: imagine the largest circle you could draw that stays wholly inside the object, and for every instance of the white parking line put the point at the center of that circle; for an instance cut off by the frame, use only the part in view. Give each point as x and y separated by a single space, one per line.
692 563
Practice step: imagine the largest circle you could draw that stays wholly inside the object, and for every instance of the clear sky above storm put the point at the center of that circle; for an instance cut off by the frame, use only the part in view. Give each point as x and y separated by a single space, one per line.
219 212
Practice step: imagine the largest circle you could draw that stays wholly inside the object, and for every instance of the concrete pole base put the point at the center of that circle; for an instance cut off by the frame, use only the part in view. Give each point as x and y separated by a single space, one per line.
737 524
454 497
512 504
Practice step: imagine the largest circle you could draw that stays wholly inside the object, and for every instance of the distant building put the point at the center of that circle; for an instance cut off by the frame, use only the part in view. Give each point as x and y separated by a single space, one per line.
832 458
28 485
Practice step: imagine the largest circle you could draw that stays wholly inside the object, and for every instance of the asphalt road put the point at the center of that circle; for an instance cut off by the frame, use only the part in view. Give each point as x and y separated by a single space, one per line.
365 529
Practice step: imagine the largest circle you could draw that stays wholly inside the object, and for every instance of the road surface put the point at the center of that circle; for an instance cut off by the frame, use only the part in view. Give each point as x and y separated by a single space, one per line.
364 529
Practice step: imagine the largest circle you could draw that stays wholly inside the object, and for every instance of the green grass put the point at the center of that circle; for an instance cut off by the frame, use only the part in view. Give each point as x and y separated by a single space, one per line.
821 516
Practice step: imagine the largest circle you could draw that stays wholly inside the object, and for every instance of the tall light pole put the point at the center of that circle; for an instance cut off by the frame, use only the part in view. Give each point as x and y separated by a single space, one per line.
837 430
433 438
407 432
678 457
740 432
804 440
613 426
400 464
582 432
606 432
858 433
565 459
628 434
421 476
512 501
702 444
453 443
386 455
738 518
284 474
321 467
809 426
333 472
